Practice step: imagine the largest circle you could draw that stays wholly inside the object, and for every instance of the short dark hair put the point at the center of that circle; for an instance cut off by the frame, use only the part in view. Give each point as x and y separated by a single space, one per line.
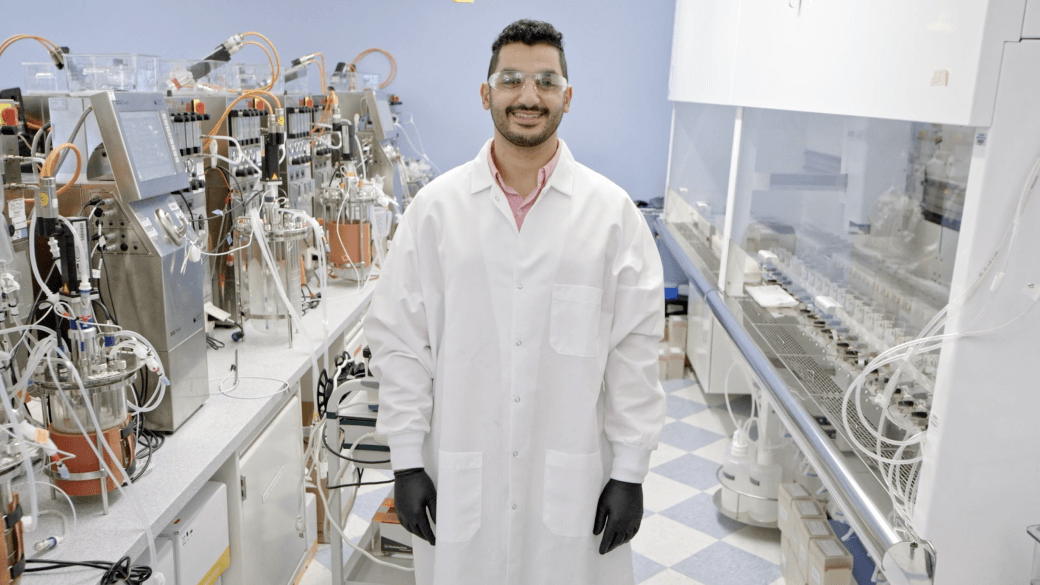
531 33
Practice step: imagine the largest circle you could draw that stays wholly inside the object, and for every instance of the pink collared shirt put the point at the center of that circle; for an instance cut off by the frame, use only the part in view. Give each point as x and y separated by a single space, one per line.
519 205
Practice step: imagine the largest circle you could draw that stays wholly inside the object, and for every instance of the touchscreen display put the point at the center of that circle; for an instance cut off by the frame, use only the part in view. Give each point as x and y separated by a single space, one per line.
147 144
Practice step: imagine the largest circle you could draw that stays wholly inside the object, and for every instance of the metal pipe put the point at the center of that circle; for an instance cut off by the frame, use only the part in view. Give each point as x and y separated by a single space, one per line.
863 514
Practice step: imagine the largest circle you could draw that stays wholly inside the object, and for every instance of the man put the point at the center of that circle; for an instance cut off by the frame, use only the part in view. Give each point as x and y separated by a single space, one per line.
514 332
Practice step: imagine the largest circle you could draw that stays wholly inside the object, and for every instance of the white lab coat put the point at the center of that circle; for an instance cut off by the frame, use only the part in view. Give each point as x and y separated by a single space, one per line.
520 369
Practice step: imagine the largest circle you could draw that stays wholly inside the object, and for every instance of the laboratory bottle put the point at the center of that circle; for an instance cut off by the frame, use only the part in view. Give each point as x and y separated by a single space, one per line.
736 469
765 476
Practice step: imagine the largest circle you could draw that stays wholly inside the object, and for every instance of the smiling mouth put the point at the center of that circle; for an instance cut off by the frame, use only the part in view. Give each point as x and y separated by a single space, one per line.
526 116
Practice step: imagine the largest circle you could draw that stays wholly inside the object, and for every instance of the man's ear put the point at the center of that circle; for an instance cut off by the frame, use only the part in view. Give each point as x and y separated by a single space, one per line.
485 96
567 99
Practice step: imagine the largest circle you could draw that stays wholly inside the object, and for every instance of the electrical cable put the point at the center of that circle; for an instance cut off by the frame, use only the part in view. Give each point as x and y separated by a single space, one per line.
119 572
345 458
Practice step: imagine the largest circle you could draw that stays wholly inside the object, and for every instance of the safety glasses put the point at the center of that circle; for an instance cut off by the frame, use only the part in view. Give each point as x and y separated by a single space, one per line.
547 83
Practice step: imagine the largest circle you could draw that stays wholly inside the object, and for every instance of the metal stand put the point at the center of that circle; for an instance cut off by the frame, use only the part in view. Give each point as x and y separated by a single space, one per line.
359 570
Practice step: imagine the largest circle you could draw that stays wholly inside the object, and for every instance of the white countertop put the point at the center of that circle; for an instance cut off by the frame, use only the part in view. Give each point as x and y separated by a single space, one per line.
194 452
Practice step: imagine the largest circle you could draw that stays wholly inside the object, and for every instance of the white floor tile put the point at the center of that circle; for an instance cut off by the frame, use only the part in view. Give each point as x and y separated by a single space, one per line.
356 526
696 393
667 542
716 420
661 493
315 574
670 577
668 420
664 453
762 542
714 452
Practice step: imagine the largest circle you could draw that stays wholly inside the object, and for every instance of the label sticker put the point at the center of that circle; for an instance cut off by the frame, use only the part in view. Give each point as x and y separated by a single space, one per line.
176 209
818 528
807 508
16 211
148 227
831 548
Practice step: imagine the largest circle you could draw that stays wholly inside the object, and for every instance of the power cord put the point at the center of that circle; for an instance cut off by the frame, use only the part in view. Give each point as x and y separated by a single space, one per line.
120 571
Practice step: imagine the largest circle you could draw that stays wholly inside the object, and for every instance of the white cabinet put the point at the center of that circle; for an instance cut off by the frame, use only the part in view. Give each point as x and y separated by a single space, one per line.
925 60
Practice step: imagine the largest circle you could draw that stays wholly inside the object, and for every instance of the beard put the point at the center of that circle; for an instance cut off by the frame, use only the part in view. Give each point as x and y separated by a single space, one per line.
501 118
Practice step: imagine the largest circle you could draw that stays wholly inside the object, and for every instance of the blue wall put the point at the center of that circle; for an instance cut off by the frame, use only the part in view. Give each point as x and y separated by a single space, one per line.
618 53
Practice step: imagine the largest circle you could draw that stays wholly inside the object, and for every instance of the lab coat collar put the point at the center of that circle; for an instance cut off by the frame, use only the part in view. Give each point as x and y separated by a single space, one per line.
562 178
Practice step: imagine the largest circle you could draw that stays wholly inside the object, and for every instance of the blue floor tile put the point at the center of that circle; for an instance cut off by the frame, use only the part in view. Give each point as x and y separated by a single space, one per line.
644 568
691 470
682 408
701 514
647 513
687 437
724 564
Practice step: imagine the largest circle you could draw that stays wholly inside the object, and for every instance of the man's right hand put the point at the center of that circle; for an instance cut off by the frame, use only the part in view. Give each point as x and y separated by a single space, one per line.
413 495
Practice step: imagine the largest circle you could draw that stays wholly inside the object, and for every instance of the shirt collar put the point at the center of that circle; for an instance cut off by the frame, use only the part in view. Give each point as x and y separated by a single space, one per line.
562 178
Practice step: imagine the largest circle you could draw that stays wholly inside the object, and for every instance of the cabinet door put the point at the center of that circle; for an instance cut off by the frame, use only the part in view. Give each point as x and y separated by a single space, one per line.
272 470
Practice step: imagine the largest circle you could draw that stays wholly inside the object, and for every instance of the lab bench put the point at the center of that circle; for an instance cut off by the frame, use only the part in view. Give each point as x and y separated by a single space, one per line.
209 447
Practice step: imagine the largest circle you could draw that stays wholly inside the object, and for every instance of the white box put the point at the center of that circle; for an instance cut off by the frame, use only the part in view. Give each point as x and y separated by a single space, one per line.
677 330
163 563
789 493
809 530
311 514
676 363
829 562
201 547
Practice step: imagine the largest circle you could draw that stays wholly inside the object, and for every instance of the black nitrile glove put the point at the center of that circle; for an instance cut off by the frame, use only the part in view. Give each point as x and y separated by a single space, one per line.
620 510
413 494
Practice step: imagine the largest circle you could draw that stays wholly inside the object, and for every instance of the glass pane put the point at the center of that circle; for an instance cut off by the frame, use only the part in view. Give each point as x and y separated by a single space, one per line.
844 236
702 145
864 211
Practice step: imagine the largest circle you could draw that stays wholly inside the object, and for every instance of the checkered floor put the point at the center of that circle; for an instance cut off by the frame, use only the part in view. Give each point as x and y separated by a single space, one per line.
683 539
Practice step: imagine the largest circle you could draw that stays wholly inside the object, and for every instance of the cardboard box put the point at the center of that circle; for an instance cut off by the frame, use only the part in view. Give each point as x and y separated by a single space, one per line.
676 363
809 529
789 563
676 333
788 493
804 510
829 562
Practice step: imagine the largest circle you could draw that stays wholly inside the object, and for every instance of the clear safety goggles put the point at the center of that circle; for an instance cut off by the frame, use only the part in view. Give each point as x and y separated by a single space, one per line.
545 82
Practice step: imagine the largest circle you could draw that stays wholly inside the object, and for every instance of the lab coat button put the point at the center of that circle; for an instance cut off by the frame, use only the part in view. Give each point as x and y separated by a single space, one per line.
517 399
514 506
516 453
519 343
519 285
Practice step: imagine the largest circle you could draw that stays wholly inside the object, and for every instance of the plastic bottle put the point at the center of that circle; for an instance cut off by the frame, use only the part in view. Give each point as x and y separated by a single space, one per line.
764 477
736 468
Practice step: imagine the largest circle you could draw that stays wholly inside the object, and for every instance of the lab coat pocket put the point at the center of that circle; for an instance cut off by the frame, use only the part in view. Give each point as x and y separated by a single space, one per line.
574 320
572 486
458 496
